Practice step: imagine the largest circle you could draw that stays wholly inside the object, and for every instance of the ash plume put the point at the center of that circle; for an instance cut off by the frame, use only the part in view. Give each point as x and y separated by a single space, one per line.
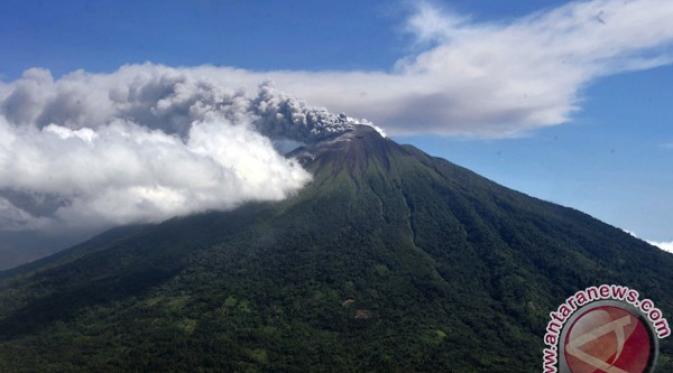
145 143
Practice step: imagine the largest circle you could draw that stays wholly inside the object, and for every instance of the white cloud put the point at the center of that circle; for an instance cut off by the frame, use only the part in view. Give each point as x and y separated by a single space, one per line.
122 172
495 79
666 246
482 79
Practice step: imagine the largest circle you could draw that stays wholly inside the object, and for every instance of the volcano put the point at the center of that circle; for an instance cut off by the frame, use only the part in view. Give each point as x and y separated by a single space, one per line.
389 260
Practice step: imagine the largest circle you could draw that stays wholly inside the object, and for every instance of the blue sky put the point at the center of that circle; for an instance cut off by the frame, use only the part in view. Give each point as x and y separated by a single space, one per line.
610 159
314 35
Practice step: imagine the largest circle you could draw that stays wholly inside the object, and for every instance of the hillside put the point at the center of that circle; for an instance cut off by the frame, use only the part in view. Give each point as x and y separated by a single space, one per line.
389 260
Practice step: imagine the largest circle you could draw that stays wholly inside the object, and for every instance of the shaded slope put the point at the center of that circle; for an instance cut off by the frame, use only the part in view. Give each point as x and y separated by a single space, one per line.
389 260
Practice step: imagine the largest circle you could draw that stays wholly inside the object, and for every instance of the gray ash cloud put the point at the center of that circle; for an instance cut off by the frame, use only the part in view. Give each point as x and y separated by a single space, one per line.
283 116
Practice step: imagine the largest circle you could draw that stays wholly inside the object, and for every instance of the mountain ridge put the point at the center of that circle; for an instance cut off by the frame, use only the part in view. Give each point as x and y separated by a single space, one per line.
388 260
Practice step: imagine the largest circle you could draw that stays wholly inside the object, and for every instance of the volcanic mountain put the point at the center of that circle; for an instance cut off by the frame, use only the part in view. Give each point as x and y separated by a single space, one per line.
389 260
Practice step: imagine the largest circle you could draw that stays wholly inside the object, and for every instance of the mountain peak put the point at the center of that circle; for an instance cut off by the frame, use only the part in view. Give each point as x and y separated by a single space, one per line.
452 271
354 149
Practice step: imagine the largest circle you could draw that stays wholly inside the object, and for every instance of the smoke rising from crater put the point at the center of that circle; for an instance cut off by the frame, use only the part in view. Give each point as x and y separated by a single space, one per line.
143 144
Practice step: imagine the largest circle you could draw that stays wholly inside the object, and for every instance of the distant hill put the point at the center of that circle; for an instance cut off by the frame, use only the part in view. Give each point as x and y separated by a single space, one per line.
390 260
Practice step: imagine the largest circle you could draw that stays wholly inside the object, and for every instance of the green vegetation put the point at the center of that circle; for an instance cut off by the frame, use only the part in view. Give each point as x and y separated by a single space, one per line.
390 261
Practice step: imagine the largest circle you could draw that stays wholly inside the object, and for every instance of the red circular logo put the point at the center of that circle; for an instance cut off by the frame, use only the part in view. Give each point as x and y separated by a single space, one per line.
608 339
